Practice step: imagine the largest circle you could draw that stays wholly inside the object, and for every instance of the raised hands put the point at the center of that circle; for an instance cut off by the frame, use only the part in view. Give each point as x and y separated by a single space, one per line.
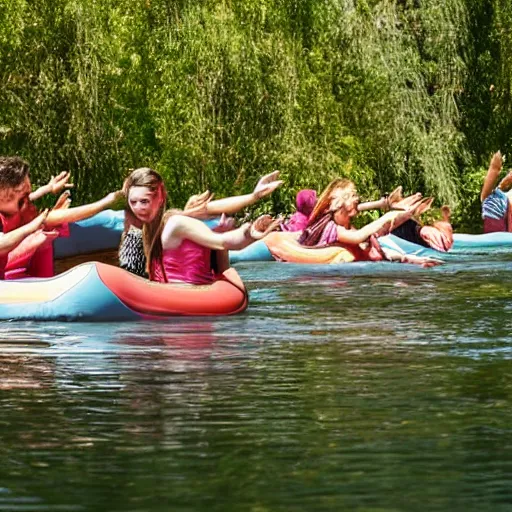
59 182
267 184
197 205
225 224
496 162
262 226
113 197
396 200
63 202
38 222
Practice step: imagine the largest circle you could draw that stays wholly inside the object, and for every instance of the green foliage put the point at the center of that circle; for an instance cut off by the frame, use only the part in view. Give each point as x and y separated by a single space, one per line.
214 94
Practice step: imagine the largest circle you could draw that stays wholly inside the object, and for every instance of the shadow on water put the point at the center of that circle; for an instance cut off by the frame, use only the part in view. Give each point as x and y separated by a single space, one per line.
351 387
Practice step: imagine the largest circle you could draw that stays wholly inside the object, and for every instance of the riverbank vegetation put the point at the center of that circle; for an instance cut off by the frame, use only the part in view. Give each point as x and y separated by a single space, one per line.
214 93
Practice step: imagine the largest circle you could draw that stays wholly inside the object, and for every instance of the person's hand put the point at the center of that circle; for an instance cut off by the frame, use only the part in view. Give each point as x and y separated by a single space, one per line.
63 202
393 218
45 237
38 222
198 200
113 197
404 203
421 260
396 195
262 226
422 206
225 224
496 162
197 205
59 182
506 182
267 184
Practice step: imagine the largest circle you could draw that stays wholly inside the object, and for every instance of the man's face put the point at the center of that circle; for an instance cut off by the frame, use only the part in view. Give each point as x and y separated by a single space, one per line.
14 199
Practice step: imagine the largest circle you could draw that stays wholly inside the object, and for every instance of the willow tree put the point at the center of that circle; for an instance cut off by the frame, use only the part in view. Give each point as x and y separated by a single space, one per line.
213 93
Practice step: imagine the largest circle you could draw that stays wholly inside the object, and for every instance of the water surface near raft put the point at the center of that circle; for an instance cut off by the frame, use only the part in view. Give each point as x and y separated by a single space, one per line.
369 387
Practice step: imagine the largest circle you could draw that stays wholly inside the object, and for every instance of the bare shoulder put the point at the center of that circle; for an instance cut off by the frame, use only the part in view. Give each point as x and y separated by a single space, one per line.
178 224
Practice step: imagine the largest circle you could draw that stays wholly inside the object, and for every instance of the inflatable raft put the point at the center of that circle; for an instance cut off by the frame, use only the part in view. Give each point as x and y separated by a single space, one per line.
279 246
99 292
282 246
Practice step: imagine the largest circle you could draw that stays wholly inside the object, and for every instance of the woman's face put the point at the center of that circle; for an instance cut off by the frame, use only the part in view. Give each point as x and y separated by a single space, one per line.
347 198
144 203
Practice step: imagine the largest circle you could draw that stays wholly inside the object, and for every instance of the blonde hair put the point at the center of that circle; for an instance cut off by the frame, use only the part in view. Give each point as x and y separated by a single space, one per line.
151 231
324 202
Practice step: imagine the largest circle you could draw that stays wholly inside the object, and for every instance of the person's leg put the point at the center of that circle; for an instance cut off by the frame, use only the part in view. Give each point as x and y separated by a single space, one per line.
492 176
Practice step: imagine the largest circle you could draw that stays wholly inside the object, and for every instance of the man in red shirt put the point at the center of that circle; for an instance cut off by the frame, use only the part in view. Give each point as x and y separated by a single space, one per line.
25 241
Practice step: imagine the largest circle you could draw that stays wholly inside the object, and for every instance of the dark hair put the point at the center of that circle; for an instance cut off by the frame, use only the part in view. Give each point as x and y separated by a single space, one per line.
13 171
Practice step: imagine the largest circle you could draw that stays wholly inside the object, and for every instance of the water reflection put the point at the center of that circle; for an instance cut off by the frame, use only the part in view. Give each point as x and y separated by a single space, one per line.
340 389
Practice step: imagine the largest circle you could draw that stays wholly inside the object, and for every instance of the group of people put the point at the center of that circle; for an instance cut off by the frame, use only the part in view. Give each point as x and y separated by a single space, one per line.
177 245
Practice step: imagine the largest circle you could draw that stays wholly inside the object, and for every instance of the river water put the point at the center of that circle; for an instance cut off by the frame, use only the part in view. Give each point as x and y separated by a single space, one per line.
365 387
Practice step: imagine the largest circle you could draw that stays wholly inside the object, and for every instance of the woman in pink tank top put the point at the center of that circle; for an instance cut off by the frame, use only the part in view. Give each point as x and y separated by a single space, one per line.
177 245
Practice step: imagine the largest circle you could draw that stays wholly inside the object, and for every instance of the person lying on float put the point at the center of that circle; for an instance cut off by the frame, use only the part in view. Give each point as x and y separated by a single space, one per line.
331 224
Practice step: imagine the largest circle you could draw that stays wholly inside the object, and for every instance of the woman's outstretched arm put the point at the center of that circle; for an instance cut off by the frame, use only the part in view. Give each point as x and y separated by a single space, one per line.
181 227
383 224
204 207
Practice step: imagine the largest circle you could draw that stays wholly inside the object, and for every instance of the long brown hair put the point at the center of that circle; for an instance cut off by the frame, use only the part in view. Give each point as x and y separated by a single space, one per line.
151 231
323 203
323 211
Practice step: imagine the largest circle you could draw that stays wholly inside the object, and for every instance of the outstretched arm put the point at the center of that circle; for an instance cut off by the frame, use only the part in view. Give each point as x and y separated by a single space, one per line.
231 205
492 176
62 216
385 223
395 201
380 204
423 261
54 186
11 240
181 227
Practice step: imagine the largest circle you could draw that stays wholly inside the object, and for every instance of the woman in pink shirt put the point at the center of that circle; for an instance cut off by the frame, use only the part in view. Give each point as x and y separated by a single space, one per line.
178 246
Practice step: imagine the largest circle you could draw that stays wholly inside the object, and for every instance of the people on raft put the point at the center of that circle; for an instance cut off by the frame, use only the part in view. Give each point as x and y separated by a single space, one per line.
331 224
177 245
25 243
496 209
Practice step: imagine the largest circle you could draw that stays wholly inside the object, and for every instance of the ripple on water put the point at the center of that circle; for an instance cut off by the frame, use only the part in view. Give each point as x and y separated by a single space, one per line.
358 387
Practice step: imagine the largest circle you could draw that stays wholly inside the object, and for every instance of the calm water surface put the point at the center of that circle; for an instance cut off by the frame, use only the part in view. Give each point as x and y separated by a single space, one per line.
376 389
